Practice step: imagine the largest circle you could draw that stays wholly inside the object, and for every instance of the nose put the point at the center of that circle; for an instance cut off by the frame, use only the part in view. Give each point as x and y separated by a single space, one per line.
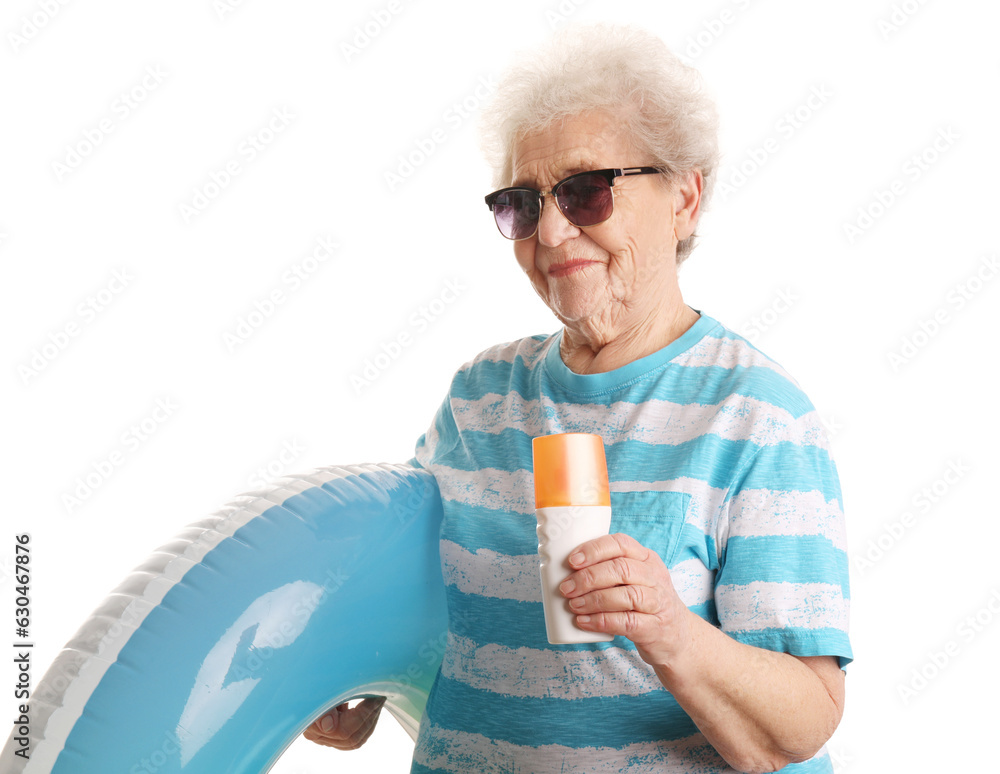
553 227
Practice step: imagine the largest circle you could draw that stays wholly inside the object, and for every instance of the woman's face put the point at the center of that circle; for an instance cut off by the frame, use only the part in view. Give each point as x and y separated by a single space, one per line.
611 277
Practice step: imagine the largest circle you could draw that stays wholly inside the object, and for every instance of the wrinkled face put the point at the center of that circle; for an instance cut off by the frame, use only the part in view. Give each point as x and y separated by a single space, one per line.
612 274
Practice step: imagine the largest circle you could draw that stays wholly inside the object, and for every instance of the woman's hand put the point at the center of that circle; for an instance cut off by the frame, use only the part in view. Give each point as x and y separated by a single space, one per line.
620 587
345 728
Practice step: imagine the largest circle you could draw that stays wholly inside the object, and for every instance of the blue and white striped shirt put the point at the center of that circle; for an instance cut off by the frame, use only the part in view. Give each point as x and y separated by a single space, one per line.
717 460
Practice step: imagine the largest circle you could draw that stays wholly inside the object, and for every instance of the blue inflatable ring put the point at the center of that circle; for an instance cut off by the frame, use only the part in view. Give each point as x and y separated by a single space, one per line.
219 650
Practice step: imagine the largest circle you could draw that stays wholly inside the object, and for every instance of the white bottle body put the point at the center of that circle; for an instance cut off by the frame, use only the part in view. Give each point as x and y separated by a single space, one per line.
560 530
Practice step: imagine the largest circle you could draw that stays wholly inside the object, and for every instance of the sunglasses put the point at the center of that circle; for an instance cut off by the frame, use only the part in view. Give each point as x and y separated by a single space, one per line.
586 199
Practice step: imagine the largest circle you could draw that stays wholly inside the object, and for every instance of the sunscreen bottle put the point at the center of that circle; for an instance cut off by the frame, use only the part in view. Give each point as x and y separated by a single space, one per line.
573 505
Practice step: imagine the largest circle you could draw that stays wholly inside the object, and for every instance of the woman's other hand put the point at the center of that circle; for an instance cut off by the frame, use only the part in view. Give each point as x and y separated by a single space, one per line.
346 728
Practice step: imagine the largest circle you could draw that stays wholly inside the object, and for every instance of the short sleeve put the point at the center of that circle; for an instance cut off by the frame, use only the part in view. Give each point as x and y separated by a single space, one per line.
439 439
783 579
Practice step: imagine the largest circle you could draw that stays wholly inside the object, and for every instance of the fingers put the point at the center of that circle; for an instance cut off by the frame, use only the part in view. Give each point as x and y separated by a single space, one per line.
640 599
637 628
619 570
346 728
622 588
607 547
619 586
354 726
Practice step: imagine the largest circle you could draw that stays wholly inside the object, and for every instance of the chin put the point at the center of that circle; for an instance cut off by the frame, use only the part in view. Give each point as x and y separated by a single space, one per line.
575 310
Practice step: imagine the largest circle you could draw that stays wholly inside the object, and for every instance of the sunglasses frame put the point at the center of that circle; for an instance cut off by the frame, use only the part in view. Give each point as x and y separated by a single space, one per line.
608 174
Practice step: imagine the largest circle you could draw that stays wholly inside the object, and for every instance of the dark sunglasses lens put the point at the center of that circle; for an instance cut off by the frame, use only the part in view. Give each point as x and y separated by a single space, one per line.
516 213
585 200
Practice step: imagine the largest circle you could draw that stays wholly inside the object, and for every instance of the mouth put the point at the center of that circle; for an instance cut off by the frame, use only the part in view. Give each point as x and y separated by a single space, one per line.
569 267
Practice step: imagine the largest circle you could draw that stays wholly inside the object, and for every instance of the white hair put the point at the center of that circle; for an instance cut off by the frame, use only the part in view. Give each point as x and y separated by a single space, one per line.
625 72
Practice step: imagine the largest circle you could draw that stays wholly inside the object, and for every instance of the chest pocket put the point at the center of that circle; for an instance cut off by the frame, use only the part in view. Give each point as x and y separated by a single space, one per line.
654 519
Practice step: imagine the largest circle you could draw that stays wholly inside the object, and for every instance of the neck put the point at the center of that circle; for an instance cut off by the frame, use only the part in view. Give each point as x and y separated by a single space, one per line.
584 353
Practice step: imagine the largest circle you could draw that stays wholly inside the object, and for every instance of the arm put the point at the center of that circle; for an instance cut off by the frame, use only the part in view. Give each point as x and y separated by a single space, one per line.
760 709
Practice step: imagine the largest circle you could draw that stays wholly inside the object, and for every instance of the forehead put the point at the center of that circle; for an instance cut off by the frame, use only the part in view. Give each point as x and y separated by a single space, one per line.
576 144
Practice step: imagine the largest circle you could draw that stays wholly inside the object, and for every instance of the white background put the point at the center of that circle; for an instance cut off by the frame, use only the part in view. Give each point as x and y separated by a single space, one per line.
831 306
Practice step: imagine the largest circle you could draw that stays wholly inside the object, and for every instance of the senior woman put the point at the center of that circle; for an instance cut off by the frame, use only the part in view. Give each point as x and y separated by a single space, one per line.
725 581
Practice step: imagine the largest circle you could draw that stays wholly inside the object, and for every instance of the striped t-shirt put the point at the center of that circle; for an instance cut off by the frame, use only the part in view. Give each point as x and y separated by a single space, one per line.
717 460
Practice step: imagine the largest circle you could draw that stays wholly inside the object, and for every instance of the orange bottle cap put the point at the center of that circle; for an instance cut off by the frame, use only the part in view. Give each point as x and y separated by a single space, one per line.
570 469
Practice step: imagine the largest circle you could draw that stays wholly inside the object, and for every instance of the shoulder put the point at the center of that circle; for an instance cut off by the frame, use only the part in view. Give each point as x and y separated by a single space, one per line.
501 360
728 364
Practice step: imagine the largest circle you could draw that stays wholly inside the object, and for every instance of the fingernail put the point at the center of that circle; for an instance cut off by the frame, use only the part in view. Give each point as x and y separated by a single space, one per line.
567 587
577 558
583 618
327 723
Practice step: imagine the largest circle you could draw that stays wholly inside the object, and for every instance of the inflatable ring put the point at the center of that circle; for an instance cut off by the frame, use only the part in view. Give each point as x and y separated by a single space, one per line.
220 649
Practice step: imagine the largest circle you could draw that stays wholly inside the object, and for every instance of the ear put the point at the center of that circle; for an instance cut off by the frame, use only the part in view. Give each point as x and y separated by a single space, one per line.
687 203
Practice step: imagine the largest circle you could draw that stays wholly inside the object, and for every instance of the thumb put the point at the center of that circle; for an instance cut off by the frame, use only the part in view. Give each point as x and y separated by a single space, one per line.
329 721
